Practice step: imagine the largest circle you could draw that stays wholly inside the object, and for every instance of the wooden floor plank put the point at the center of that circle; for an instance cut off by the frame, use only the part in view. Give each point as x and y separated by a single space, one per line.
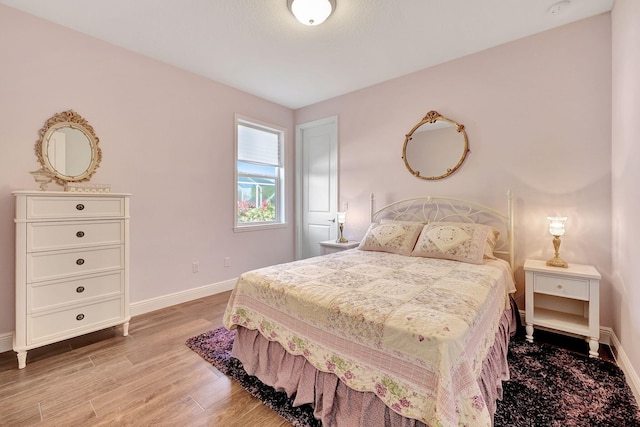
24 414
149 385
79 388
80 415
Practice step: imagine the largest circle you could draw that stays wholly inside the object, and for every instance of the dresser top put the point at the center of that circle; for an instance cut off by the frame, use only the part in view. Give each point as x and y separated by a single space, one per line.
66 193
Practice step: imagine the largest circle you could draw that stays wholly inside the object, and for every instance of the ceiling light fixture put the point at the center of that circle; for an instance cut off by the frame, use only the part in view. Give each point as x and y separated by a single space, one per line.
311 12
558 8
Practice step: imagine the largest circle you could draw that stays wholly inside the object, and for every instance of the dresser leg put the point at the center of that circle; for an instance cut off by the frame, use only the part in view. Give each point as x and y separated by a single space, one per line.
125 329
22 359
529 335
594 346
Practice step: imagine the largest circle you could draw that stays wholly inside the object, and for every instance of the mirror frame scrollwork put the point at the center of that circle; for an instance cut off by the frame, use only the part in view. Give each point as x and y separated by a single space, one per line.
67 119
432 117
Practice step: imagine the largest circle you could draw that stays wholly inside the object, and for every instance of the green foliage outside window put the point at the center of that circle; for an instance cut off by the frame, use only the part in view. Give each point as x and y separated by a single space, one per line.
249 212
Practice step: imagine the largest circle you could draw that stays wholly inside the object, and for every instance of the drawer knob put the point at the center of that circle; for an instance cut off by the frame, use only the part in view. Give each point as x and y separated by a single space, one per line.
559 286
80 316
79 261
79 206
80 234
80 289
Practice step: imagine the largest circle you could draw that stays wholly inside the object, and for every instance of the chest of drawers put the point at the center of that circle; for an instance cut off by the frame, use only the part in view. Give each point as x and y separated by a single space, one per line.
72 266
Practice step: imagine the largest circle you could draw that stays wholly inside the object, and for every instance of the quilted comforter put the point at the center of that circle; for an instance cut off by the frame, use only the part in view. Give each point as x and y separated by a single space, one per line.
412 330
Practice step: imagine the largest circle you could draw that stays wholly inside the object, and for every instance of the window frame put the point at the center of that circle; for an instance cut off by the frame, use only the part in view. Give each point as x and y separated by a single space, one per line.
280 220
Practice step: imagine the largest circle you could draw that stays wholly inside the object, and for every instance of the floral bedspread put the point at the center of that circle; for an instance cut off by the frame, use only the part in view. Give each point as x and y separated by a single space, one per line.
412 330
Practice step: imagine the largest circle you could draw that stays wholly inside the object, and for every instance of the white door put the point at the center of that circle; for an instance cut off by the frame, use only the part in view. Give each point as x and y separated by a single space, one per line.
316 185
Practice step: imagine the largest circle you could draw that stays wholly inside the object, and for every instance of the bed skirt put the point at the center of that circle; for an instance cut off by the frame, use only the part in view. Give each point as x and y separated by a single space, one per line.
334 403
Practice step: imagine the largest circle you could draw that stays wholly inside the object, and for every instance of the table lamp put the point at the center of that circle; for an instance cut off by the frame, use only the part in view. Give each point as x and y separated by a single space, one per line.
556 228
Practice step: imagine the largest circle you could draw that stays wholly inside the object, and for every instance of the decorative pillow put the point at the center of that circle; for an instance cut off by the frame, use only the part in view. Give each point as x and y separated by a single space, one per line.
490 244
395 237
457 241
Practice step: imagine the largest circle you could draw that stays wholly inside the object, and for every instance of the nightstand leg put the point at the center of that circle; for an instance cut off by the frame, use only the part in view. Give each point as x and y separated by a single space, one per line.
529 335
125 329
594 346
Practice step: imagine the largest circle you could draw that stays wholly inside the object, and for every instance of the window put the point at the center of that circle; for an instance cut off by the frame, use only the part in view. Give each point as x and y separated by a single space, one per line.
259 174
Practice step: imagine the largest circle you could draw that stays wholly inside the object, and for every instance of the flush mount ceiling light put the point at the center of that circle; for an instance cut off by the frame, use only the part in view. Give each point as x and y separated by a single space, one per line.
311 12
559 7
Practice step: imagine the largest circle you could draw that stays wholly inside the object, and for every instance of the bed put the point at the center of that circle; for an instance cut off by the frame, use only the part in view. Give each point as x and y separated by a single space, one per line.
409 329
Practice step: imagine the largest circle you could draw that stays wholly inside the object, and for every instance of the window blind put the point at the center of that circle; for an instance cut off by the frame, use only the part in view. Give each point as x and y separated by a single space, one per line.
258 146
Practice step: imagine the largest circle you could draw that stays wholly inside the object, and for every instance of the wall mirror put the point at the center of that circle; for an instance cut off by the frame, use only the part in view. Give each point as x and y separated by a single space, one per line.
435 148
68 148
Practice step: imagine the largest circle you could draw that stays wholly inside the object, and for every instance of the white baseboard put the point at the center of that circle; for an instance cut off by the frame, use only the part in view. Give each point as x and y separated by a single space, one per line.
152 304
6 342
625 364
146 306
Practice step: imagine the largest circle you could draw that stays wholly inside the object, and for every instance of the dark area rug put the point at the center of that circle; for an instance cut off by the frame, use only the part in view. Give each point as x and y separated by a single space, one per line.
549 386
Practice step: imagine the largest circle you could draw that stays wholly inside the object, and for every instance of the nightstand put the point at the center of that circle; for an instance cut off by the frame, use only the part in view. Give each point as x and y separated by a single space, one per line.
563 299
331 246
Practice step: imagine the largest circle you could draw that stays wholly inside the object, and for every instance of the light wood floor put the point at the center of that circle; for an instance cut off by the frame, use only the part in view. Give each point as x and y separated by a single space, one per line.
150 378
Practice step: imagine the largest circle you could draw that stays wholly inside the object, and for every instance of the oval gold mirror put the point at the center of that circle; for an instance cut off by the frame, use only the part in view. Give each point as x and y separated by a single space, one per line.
435 148
68 148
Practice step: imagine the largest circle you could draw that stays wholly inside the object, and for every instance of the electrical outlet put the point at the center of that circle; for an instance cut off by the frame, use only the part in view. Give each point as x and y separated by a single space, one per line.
195 267
227 261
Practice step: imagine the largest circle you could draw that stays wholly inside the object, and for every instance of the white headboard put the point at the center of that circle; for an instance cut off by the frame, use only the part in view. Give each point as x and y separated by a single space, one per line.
430 209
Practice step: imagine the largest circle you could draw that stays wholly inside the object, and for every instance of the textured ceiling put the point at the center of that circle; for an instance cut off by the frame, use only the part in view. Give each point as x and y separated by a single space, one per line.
258 46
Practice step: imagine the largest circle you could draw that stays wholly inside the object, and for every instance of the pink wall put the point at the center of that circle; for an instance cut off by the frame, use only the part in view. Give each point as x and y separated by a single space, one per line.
167 137
538 115
625 177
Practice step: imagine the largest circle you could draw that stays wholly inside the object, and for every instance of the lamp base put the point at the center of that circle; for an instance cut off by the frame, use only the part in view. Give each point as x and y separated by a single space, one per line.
341 238
557 262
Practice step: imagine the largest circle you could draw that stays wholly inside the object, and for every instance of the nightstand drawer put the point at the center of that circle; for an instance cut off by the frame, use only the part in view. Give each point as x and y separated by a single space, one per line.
561 286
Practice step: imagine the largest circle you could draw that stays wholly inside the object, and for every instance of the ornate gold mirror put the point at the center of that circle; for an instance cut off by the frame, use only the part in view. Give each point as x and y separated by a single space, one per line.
68 148
435 148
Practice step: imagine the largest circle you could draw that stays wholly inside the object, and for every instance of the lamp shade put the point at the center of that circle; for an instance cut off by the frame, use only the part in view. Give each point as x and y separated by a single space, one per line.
311 12
556 225
342 217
